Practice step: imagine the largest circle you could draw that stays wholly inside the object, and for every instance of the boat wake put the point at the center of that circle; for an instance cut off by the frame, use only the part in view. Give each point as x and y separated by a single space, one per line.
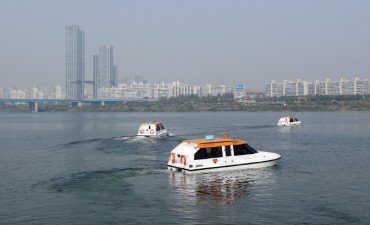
132 138
84 141
185 132
94 181
129 138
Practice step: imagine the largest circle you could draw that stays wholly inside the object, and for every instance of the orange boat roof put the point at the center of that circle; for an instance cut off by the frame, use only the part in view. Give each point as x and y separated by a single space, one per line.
151 122
216 142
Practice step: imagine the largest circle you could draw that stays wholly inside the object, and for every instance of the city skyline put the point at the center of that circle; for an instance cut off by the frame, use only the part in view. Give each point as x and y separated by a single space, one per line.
217 42
144 90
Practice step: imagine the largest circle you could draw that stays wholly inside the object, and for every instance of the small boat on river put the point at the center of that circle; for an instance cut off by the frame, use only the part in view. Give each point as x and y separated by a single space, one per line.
153 129
288 121
217 154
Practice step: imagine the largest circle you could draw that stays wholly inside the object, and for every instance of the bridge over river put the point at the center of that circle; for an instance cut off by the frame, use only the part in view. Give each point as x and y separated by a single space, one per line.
33 103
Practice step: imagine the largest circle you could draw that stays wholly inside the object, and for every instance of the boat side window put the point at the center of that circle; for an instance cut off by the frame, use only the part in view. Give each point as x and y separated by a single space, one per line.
243 149
200 154
157 128
227 150
216 152
206 153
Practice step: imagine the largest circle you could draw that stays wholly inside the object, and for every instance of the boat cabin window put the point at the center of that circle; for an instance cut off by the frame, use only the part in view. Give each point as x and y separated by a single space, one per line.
243 149
206 153
227 150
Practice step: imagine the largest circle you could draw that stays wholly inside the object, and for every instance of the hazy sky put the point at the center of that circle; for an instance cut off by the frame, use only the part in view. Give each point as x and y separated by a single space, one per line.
193 41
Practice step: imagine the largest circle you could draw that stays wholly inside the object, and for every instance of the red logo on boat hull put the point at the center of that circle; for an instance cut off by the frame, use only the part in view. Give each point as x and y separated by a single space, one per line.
214 161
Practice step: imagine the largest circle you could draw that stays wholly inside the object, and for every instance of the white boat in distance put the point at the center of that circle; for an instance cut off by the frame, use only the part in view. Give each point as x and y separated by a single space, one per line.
288 121
153 129
217 154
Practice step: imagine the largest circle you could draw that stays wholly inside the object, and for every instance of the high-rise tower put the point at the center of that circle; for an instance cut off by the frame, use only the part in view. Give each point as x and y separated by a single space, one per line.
75 62
105 73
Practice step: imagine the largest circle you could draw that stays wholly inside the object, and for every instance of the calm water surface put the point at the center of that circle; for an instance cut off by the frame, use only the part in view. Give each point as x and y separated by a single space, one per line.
89 168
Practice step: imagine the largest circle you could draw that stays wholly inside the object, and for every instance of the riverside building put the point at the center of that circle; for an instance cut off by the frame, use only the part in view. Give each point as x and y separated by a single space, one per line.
328 87
156 91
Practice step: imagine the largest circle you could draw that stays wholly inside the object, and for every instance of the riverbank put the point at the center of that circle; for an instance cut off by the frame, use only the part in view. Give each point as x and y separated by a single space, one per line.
189 106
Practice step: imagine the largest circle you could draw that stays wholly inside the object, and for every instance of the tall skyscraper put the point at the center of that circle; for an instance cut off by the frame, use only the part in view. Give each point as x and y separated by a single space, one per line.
75 62
105 73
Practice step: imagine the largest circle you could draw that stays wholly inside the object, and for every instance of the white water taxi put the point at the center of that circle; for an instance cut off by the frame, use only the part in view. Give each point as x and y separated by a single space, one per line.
152 129
217 154
288 121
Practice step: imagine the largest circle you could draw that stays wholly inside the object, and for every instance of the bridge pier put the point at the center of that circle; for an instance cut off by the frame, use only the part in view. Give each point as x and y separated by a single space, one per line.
76 104
33 106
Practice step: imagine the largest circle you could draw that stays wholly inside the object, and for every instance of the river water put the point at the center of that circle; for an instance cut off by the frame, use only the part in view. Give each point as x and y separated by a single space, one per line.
89 168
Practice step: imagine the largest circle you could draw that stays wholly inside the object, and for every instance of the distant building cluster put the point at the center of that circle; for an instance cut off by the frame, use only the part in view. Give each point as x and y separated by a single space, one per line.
155 91
105 72
138 89
31 93
328 87
105 76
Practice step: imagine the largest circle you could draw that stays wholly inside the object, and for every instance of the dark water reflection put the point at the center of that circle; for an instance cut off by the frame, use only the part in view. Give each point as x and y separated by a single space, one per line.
225 188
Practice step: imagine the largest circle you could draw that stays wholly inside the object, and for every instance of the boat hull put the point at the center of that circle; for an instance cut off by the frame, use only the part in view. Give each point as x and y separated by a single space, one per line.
240 166
289 124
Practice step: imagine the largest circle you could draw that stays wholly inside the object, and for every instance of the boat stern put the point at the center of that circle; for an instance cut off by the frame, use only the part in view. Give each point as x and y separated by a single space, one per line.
177 162
152 129
181 157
